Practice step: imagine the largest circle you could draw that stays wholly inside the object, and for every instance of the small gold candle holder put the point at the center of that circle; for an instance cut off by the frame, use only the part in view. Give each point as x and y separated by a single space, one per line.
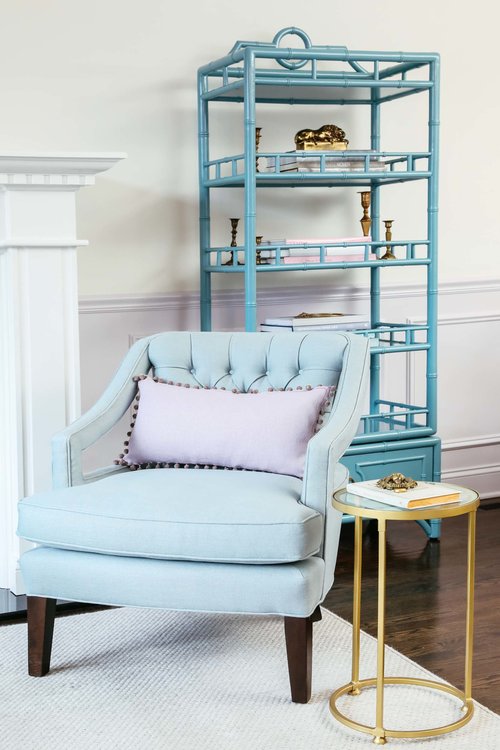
388 255
234 230
258 132
260 261
365 220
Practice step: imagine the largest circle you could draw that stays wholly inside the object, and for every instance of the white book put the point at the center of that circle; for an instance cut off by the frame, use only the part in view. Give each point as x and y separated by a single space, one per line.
302 252
289 157
423 495
315 166
331 253
316 241
343 168
341 161
294 321
317 327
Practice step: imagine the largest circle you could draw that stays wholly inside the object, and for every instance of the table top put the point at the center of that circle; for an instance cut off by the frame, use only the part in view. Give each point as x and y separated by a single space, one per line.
355 505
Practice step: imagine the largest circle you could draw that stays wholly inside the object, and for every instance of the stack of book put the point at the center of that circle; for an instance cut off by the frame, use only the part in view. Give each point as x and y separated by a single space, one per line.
425 494
334 322
291 254
344 162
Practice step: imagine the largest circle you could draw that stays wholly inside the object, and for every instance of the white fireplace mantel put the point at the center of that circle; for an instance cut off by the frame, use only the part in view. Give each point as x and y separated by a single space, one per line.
39 344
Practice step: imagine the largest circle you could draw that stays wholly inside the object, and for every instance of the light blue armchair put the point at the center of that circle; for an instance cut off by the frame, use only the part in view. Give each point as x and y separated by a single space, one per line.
199 540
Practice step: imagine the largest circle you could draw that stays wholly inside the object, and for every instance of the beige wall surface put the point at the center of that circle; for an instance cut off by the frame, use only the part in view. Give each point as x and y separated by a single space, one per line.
117 75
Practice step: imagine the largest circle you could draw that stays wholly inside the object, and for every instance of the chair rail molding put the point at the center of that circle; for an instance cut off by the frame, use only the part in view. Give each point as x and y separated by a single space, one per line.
39 339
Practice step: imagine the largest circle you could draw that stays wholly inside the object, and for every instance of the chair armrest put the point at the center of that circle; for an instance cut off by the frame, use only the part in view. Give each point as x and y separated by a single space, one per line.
329 444
67 445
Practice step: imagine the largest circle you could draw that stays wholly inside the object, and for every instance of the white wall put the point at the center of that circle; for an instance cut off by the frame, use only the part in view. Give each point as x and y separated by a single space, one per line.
120 75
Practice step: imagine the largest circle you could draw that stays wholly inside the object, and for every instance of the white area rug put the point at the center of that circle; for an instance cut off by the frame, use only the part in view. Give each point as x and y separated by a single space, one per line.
135 679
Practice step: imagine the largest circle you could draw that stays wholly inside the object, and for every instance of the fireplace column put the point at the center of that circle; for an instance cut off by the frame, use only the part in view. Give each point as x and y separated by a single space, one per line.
39 343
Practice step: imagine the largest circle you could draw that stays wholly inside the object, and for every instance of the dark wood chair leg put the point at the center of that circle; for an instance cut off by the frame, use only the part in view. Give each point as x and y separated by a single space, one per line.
298 636
41 613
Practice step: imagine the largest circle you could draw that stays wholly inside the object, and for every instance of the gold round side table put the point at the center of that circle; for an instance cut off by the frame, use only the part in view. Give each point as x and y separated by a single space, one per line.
360 508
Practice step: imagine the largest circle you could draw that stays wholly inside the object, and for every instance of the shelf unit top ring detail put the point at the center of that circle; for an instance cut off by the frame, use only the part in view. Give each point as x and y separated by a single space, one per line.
303 75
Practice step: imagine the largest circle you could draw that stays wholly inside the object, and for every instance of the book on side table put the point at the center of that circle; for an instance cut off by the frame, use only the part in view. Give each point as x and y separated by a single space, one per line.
423 495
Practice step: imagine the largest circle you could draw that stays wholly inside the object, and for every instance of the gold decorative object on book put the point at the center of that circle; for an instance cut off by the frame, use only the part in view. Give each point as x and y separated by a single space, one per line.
325 138
365 220
258 132
388 255
318 315
397 483
234 229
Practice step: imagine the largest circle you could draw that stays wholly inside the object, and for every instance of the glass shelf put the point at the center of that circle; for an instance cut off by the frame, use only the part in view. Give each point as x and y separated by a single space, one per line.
393 420
399 167
324 75
467 501
277 258
397 337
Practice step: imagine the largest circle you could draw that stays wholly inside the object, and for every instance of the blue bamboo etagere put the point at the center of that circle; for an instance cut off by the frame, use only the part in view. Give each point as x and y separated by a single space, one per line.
393 435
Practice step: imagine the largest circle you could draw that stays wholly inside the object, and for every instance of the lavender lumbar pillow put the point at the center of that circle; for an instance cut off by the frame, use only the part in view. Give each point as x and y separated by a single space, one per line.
183 425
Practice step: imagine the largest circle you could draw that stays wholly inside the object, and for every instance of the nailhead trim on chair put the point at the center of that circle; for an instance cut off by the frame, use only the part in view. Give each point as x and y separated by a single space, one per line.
120 461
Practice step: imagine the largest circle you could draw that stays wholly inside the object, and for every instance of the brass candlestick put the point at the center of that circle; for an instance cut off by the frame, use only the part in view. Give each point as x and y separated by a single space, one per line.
258 251
388 255
365 220
257 141
234 229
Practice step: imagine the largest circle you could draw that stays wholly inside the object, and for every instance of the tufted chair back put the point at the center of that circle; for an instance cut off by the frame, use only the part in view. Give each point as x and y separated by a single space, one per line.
241 361
248 361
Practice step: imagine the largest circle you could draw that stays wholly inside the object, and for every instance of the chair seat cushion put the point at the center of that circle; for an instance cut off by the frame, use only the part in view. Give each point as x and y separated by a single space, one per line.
179 514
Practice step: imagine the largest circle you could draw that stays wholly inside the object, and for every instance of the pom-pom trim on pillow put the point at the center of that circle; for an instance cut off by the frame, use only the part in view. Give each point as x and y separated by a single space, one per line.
303 417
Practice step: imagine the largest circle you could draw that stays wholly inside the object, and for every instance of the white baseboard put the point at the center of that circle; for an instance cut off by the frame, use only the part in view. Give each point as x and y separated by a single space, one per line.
473 461
483 479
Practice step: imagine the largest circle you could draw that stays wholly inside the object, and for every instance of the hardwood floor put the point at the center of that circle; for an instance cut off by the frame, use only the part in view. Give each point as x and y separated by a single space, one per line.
425 618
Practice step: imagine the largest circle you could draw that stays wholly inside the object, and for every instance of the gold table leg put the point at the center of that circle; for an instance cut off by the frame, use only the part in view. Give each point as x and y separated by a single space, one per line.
469 623
379 738
356 605
378 732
